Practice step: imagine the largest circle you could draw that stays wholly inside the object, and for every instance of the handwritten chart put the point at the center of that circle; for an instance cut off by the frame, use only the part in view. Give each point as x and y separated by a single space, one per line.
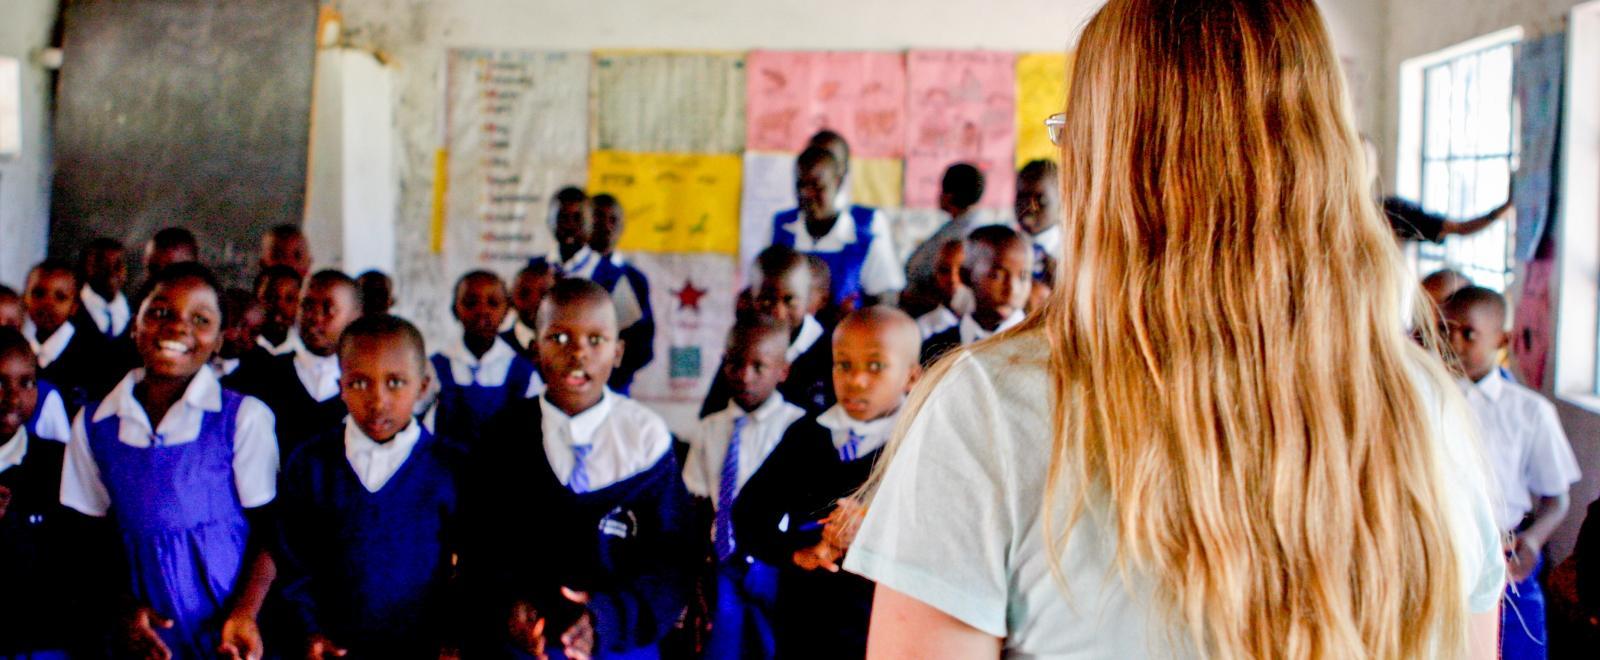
514 136
961 107
1041 92
669 102
672 202
791 95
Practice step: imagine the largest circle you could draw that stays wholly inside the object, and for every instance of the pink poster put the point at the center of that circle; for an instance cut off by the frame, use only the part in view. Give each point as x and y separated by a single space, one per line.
961 107
791 95
1530 335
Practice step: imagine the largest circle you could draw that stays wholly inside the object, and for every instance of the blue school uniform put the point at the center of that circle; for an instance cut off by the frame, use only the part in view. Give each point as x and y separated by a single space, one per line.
369 570
629 544
844 266
473 389
639 337
183 528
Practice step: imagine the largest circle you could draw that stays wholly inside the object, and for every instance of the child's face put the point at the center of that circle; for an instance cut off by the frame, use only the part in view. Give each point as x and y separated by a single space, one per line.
815 187
1038 294
19 390
280 298
528 292
106 270
1000 278
606 229
1038 203
786 297
578 348
754 366
11 313
326 310
480 307
239 336
871 375
380 380
947 271
179 328
50 297
571 235
288 251
1476 337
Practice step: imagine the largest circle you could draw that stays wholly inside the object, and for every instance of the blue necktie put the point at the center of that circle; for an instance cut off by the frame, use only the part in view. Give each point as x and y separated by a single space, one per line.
722 531
1038 261
579 481
852 445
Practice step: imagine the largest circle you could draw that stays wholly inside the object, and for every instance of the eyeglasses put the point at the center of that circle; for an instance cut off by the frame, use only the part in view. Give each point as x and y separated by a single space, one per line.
1054 123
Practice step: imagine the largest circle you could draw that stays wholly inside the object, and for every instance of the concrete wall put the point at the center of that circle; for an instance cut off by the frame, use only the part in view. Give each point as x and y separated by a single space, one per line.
25 26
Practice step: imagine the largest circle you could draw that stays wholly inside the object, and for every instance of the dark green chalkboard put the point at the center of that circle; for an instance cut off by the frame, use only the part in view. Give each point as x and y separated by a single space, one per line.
182 112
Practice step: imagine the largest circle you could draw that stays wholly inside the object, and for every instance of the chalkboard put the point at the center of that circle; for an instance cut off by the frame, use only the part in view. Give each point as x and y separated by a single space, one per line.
193 113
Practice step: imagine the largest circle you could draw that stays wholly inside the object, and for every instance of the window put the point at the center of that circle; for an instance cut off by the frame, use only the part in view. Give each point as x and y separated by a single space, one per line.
1464 160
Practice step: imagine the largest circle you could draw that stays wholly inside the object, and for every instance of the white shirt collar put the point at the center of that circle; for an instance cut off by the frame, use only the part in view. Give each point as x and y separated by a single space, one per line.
581 265
490 370
810 332
843 233
291 342
376 462
111 316
14 450
772 406
52 347
619 437
524 334
937 321
870 435
1492 385
972 332
182 421
580 428
319 374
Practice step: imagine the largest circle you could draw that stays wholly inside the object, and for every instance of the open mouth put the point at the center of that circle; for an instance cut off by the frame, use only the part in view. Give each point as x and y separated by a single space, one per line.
173 349
576 378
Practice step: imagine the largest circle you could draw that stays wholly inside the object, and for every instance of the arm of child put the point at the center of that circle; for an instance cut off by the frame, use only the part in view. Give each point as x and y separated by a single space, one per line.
1528 541
241 637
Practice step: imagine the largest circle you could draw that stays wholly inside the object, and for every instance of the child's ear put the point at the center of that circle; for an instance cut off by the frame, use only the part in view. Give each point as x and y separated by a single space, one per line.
616 360
783 373
1505 340
916 375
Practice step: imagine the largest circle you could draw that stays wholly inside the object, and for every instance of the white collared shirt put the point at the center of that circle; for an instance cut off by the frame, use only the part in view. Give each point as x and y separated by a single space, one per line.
376 462
810 331
318 373
488 370
525 335
291 343
702 469
1523 442
255 442
937 321
225 366
870 435
14 450
972 332
881 272
1048 242
53 421
625 438
111 317
53 346
580 266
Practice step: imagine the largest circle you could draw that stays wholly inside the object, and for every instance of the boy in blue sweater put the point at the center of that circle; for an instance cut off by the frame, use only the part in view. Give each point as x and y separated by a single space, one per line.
581 537
368 511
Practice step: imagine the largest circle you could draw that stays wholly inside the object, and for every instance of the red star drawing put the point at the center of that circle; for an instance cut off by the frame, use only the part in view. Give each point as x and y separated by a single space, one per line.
689 296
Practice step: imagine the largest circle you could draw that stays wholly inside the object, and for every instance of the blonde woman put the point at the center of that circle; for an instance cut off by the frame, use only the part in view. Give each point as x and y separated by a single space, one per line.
1215 440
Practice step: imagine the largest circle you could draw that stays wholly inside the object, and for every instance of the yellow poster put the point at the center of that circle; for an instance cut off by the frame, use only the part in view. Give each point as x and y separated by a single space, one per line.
672 202
877 182
1041 92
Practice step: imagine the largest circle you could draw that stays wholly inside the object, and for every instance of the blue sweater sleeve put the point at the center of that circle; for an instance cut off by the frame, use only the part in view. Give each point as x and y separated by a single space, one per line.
642 612
292 543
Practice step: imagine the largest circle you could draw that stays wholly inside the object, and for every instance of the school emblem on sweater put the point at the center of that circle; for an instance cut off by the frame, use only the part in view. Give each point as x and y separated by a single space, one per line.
620 523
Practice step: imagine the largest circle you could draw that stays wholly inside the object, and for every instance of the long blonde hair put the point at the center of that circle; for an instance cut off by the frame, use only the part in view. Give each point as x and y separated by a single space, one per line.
1232 383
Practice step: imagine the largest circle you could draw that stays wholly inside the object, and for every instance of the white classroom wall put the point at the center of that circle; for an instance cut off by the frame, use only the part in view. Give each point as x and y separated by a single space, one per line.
25 27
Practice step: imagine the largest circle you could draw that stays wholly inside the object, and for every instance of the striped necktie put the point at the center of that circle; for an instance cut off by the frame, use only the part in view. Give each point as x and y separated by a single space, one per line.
722 530
579 480
851 448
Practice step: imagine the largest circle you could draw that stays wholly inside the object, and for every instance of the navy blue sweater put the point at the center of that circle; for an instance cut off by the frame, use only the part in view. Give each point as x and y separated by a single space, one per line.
297 417
371 571
809 385
36 534
631 546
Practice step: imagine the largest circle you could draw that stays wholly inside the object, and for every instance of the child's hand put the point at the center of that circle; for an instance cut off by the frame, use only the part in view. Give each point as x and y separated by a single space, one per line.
820 556
241 638
526 628
842 525
141 637
1524 557
322 648
5 501
578 641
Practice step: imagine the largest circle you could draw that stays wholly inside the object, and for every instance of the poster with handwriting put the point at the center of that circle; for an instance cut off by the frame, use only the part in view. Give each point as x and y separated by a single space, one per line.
514 135
1041 92
669 102
861 95
672 202
961 108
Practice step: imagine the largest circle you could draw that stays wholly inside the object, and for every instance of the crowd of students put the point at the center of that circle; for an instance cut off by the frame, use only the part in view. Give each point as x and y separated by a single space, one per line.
194 470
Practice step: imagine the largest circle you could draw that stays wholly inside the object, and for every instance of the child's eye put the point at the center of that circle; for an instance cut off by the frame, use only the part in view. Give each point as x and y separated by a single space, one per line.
596 340
28 384
874 367
841 366
358 385
396 383
558 338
